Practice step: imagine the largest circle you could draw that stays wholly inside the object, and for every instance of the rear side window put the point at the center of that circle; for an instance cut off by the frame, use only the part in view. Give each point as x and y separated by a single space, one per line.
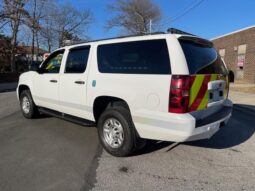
140 57
77 60
202 58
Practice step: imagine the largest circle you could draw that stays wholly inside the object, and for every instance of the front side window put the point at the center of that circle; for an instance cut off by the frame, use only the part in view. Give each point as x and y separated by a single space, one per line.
77 60
139 57
53 63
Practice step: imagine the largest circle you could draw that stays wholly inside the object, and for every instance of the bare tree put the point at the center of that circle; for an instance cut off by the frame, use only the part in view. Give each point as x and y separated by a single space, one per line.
64 22
36 14
43 21
71 21
5 53
3 16
134 16
14 13
48 32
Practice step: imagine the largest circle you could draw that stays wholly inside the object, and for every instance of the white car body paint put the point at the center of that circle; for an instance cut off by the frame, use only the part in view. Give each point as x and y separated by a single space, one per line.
146 95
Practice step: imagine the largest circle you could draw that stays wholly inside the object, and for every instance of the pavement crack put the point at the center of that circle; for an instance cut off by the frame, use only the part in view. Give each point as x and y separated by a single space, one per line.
162 177
235 150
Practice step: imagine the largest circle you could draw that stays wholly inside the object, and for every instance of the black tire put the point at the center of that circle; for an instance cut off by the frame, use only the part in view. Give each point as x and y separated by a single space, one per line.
32 111
122 115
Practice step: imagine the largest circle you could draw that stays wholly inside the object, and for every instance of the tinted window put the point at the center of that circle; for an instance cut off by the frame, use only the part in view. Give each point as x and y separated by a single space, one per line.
77 60
53 63
202 58
140 57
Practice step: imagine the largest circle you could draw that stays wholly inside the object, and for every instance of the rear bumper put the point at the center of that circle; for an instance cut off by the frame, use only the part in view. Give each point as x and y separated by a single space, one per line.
183 127
218 116
208 130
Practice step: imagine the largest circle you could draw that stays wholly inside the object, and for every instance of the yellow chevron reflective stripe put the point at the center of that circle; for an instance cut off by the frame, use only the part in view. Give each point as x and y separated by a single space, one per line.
214 77
195 88
205 99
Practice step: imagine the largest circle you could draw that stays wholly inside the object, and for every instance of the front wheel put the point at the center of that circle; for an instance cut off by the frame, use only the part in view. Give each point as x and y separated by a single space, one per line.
116 131
28 108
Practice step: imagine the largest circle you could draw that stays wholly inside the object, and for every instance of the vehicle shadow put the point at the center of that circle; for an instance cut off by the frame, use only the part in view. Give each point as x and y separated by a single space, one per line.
239 129
152 145
42 116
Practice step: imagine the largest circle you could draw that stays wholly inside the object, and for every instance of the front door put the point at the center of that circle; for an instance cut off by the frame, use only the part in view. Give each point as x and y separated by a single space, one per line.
73 83
46 83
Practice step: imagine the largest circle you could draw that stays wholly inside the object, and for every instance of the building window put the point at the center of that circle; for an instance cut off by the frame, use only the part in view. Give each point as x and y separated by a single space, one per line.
242 49
222 53
241 56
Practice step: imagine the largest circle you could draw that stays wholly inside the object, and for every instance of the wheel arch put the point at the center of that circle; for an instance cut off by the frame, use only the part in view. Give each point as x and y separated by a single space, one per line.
102 102
22 87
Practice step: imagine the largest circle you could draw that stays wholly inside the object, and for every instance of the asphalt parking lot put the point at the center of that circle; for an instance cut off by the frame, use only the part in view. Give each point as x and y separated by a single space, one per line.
45 153
51 154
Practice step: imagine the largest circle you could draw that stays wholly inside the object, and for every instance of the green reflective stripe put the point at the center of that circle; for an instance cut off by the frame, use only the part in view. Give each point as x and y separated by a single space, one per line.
195 88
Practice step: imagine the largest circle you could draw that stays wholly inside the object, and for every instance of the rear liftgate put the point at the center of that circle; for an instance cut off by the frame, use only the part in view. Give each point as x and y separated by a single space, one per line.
195 92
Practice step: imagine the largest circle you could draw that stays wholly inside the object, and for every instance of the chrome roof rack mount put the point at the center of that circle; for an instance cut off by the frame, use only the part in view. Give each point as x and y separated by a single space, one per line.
177 31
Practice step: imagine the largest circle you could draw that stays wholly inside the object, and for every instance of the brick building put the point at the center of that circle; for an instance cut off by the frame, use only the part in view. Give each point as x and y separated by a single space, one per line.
238 51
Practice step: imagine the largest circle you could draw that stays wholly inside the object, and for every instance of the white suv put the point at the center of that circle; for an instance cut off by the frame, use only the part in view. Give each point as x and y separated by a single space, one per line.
169 87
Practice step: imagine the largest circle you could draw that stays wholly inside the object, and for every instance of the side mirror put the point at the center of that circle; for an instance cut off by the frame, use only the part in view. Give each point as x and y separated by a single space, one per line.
35 67
39 70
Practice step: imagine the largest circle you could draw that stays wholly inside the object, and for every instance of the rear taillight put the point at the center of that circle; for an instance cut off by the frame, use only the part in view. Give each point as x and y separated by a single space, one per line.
179 94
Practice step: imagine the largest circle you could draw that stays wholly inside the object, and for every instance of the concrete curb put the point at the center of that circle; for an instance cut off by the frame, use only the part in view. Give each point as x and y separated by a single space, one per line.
8 87
8 90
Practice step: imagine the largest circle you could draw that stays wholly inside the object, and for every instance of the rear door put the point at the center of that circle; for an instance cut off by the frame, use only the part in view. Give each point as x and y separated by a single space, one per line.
73 83
209 74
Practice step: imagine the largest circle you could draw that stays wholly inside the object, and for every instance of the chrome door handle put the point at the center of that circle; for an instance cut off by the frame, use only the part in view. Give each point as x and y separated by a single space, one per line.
79 82
53 81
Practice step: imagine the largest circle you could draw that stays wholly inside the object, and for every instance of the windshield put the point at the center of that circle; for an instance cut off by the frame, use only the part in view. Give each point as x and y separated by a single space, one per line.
201 57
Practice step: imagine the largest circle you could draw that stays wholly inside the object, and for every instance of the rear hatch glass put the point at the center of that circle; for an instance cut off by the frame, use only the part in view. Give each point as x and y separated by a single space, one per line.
201 56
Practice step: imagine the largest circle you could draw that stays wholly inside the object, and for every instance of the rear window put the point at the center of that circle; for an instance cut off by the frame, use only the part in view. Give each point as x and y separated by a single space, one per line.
140 57
201 57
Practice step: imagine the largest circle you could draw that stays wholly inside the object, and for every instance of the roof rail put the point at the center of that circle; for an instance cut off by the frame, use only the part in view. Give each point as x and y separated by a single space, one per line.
177 31
135 35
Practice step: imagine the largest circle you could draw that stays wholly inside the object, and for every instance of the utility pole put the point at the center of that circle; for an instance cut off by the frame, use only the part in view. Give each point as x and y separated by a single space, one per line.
150 25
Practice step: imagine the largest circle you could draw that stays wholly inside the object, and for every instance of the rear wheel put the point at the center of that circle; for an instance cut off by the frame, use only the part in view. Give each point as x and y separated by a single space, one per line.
27 105
116 131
